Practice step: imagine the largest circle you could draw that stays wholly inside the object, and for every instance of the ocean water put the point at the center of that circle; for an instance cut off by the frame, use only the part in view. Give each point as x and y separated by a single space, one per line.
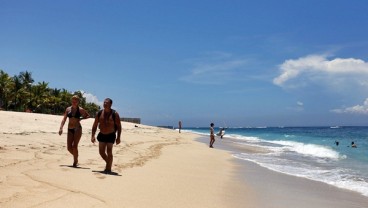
308 152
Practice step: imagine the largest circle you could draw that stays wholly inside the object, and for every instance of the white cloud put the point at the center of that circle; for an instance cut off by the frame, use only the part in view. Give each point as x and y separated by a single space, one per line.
90 98
214 68
357 109
317 68
299 107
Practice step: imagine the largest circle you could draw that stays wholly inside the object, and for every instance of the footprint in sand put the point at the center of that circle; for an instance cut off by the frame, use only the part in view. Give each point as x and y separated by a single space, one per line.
100 176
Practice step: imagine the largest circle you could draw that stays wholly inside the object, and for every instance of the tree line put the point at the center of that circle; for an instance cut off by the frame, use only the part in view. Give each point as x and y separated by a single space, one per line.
21 93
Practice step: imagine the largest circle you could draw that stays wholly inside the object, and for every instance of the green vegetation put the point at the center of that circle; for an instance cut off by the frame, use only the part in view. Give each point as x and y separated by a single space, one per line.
20 93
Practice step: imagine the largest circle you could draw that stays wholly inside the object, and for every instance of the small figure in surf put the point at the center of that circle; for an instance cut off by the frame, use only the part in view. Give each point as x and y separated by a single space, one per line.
221 133
212 135
337 143
353 145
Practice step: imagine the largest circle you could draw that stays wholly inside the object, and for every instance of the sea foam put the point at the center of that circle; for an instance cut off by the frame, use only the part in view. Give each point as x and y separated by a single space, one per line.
309 149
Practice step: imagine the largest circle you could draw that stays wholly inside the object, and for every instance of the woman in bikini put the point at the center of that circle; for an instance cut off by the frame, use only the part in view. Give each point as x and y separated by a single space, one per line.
75 115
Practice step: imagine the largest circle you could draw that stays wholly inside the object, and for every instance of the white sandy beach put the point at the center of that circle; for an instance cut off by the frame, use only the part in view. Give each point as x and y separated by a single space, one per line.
152 167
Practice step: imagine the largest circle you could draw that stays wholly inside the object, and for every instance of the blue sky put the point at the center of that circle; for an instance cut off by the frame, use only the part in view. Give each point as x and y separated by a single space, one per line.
234 63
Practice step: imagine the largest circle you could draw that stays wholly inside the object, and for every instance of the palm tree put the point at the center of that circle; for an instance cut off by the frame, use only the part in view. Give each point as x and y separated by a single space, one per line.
42 97
27 81
18 93
92 108
5 88
65 96
26 77
55 99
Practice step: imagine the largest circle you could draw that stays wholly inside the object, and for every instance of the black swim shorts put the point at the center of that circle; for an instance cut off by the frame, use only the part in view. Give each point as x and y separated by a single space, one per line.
107 138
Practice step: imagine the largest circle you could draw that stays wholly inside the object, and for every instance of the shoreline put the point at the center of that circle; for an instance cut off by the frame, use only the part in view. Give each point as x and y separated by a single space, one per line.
152 167
281 190
275 189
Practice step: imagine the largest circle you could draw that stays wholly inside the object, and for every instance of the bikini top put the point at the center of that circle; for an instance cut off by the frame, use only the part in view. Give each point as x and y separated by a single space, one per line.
76 115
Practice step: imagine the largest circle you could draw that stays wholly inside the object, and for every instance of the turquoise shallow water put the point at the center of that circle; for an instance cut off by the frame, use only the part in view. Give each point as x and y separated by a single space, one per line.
308 152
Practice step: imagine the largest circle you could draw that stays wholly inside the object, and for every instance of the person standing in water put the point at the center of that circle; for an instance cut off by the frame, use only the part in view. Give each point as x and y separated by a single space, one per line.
75 115
109 123
353 145
212 135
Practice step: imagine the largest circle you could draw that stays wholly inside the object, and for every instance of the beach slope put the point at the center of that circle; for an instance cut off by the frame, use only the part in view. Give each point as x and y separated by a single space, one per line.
153 167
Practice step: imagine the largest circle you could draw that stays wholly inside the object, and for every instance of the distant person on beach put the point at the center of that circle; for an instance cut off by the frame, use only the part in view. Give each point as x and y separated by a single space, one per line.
179 126
353 145
221 133
337 143
108 121
75 115
212 135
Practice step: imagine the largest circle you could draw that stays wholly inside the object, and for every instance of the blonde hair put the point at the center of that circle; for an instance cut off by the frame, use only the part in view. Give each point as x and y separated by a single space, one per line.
75 97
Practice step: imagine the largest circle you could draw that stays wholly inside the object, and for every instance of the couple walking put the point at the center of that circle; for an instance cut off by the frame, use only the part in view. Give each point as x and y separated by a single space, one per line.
108 121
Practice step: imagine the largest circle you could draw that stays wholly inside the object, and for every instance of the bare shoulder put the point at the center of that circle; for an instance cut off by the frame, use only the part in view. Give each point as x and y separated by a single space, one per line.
117 114
68 109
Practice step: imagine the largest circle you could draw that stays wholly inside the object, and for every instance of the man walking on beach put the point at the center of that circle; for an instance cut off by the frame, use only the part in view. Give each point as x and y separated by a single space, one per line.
212 135
108 121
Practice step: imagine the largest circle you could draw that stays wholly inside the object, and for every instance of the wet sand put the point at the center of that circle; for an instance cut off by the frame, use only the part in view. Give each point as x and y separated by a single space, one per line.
278 190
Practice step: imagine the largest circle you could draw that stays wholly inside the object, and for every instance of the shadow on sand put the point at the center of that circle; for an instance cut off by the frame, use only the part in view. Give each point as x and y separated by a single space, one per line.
106 172
71 166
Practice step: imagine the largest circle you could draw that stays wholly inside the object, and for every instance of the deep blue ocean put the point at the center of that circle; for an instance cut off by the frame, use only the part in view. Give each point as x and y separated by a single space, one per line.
308 152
